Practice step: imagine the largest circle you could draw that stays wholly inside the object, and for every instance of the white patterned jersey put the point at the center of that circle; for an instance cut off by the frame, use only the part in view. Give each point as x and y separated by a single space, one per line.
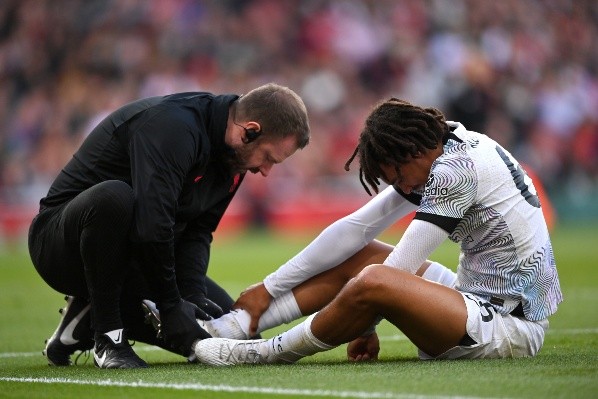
481 196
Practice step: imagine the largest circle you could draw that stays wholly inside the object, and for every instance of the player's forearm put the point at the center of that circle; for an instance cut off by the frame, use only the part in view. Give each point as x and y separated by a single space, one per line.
418 242
339 241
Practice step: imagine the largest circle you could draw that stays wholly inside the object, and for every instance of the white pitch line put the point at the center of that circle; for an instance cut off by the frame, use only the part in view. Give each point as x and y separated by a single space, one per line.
386 338
233 389
39 353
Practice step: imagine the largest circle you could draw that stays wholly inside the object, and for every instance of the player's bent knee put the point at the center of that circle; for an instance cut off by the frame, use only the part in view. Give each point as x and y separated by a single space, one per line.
368 284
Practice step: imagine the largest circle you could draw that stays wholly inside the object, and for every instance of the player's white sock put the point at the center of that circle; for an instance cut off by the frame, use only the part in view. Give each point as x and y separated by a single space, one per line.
228 325
296 343
282 310
440 274
235 324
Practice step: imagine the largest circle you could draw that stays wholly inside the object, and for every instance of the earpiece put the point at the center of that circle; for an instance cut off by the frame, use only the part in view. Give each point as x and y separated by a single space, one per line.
251 135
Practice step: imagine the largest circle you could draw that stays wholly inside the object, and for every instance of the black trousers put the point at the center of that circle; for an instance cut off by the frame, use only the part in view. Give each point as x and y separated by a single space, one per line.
82 249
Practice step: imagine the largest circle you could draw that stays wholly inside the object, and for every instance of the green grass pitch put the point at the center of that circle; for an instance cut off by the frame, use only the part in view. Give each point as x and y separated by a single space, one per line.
567 366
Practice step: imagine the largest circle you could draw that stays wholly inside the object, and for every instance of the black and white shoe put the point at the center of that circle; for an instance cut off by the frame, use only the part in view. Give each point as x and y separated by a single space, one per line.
113 351
72 334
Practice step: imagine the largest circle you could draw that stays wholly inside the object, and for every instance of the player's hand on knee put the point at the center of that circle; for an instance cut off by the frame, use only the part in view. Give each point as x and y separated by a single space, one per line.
255 299
179 326
364 348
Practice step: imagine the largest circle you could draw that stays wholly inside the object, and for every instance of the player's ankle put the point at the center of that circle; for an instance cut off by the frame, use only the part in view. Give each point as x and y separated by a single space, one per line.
234 325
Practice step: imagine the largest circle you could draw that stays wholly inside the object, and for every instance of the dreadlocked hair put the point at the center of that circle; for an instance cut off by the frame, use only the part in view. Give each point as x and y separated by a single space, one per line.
394 132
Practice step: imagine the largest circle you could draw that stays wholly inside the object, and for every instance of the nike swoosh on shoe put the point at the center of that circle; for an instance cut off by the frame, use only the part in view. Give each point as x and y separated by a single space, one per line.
66 337
100 360
115 336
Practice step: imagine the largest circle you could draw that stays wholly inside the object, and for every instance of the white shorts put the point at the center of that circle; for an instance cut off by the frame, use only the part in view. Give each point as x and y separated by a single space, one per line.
495 335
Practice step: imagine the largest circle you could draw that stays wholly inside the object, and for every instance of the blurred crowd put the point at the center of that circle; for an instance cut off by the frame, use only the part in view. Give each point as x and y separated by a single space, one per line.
523 72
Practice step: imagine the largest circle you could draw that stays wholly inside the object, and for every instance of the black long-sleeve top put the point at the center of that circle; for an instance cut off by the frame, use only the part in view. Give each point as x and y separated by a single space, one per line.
170 150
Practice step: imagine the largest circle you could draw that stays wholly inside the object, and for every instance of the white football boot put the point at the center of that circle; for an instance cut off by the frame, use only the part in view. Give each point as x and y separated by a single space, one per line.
230 352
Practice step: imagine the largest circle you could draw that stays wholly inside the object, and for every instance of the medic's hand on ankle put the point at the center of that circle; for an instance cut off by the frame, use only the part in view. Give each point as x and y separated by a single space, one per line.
255 299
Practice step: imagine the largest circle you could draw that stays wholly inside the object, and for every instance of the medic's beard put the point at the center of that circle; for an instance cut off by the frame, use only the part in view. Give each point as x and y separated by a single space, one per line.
238 159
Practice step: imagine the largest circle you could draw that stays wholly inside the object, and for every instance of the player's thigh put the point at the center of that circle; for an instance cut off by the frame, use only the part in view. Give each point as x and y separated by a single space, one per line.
373 253
431 315
335 278
319 290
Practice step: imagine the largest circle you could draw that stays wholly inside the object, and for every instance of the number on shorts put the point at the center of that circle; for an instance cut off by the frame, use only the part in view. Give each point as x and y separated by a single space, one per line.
483 305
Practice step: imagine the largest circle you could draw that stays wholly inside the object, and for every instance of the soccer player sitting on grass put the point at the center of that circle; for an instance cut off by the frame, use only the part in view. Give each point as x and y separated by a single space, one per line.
464 186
